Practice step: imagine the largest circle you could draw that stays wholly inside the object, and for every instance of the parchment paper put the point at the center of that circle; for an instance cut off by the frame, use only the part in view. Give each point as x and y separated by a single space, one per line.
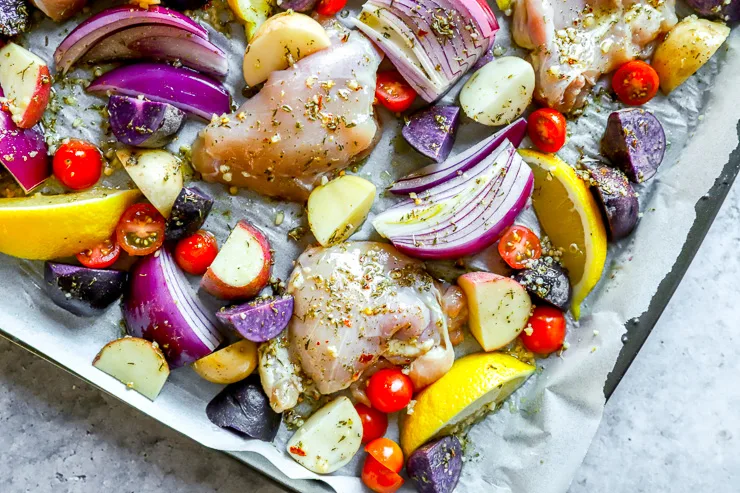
535 442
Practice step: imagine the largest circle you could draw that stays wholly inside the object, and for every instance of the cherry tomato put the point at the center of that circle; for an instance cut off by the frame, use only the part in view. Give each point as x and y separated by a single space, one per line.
389 390
78 164
518 245
635 83
548 330
394 92
196 253
374 423
546 128
330 7
101 255
140 230
387 452
379 478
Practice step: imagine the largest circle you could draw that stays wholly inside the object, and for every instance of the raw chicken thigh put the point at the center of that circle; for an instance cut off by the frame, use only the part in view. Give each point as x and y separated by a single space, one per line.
356 303
576 41
310 120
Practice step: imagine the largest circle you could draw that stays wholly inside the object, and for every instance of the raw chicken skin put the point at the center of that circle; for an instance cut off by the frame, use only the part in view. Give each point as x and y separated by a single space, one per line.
355 303
310 120
574 42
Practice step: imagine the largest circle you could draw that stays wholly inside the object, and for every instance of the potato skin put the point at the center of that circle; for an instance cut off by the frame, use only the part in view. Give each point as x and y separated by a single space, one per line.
717 9
617 198
634 141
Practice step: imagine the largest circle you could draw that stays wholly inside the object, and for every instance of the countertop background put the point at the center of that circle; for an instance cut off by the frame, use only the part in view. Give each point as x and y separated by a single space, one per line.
673 424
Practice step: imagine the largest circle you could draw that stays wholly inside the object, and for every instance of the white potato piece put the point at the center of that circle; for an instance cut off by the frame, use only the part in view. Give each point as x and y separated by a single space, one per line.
228 365
281 41
329 438
337 209
26 82
137 363
252 13
499 308
499 92
157 173
689 45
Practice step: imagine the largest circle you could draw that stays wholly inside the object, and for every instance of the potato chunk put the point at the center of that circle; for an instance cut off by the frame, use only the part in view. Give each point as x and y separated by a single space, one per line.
228 365
137 363
280 42
337 209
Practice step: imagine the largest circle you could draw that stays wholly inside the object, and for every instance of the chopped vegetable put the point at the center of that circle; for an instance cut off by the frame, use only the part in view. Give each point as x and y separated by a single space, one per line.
140 230
617 198
141 123
546 280
635 83
393 92
432 131
724 10
242 267
259 320
330 7
387 452
338 209
374 422
160 306
157 173
244 408
78 164
297 5
389 390
13 17
253 13
195 253
136 363
379 478
499 308
547 129
23 153
498 93
518 246
436 466
189 213
27 84
686 48
80 290
329 438
635 142
228 365
59 10
464 214
101 255
545 330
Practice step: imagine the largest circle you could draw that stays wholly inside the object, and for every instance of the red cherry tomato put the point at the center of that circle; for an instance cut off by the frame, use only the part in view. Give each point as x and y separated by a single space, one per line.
330 7
140 230
387 452
101 255
78 164
374 423
394 92
635 83
196 253
379 478
546 127
548 330
518 245
389 390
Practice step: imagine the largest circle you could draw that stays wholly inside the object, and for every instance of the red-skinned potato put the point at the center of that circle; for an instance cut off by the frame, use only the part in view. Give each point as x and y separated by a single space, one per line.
26 82
242 267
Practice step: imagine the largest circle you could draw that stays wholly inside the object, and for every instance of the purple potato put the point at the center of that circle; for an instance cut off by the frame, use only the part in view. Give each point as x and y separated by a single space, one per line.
432 131
725 10
546 280
142 123
244 408
297 5
435 467
83 291
13 17
259 320
485 59
634 142
189 212
617 198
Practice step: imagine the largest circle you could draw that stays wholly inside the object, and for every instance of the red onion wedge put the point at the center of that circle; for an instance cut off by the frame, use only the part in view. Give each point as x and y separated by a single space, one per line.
23 152
183 88
160 306
464 214
163 43
432 43
437 173
114 19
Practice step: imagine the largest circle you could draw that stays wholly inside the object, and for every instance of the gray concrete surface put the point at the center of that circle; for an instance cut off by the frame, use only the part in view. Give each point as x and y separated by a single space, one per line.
672 425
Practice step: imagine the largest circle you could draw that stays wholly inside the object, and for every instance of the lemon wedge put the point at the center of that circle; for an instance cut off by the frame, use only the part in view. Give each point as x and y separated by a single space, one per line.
43 227
474 386
571 218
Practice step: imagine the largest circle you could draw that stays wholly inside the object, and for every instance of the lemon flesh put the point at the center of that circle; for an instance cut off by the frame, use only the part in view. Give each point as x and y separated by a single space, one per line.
571 218
53 226
474 385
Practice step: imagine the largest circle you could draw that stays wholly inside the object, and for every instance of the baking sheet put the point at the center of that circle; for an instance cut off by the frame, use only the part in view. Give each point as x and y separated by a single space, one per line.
538 439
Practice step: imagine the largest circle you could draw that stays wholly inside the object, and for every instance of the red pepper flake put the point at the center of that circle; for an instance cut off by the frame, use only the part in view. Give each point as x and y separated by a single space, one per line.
318 343
347 322
366 358
422 33
297 451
